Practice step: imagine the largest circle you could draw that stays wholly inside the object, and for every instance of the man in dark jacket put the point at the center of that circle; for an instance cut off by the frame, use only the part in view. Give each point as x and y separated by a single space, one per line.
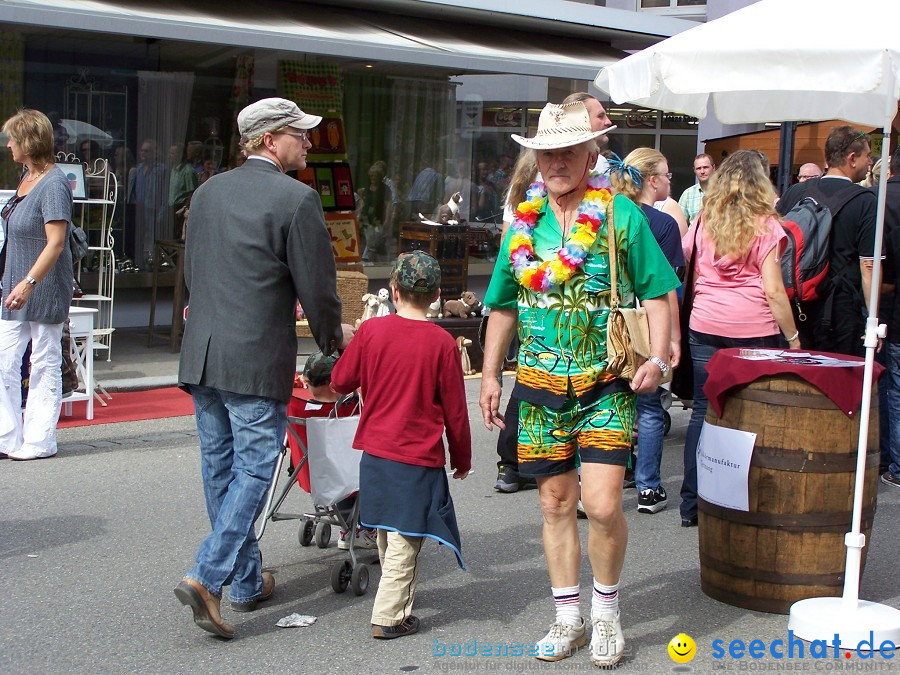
256 242
837 323
891 476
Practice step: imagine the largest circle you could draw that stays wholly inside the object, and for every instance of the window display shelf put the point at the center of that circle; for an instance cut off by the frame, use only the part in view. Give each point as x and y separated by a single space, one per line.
95 216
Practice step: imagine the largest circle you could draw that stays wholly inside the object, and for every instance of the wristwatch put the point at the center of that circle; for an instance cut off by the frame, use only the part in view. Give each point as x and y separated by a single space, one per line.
659 363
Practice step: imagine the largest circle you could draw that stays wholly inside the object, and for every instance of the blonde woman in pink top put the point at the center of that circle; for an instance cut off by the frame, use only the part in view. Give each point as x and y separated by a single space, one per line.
739 296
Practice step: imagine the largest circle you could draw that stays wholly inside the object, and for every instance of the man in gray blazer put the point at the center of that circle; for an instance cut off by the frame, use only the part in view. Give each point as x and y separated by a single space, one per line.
256 241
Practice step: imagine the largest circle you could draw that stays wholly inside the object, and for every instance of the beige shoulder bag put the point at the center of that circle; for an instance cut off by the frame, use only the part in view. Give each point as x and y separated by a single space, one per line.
627 330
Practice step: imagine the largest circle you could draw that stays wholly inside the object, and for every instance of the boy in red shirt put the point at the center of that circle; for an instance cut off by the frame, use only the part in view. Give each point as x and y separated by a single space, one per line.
404 491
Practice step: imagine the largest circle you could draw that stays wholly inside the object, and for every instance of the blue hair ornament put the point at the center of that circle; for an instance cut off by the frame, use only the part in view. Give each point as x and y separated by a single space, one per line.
616 164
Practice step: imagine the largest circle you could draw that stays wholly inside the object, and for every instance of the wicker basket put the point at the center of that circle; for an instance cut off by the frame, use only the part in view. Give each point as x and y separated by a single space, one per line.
351 286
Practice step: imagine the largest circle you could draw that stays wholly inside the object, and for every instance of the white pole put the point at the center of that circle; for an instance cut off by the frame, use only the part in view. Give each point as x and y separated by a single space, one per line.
858 624
855 540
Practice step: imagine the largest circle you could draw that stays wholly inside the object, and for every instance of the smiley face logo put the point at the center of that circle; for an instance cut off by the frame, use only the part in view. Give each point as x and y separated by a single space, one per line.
682 648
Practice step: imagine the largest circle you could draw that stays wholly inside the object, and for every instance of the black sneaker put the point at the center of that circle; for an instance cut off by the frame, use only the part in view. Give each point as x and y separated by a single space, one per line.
651 501
409 626
689 521
889 478
507 480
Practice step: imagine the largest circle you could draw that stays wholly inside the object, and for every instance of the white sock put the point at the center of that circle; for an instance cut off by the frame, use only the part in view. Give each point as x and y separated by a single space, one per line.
604 599
567 601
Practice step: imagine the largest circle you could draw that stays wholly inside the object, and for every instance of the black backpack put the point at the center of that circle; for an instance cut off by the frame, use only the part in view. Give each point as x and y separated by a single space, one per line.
806 258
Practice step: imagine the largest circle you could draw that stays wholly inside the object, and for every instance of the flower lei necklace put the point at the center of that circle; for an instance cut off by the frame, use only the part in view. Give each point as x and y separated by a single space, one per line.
540 276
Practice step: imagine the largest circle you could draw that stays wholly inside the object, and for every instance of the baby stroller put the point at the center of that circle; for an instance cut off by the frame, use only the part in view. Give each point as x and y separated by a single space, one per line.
323 463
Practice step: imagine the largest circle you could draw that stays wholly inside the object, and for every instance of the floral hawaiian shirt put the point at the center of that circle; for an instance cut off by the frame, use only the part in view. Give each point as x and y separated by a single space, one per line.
562 332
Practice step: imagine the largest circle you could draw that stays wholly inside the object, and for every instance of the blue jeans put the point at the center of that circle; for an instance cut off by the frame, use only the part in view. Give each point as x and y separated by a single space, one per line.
650 424
893 377
240 438
703 346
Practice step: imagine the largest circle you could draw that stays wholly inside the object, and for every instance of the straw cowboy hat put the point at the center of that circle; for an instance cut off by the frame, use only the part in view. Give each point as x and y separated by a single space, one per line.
561 126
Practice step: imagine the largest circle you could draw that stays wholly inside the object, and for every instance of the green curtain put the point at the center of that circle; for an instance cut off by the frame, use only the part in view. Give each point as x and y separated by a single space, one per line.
367 108
12 75
240 98
422 128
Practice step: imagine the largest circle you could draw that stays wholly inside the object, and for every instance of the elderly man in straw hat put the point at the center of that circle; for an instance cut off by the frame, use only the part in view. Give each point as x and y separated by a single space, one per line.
552 282
255 243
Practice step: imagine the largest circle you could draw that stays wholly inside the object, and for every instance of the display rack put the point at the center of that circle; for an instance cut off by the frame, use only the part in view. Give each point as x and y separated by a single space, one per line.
448 244
95 215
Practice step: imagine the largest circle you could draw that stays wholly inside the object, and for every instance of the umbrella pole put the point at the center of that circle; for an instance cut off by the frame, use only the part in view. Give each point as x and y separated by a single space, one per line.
848 621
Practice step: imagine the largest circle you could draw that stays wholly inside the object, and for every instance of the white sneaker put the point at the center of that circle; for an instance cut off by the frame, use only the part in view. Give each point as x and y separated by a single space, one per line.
607 641
365 539
563 640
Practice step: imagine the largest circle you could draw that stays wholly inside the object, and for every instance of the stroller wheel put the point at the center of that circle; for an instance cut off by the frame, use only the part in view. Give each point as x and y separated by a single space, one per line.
359 580
340 576
667 422
305 535
323 535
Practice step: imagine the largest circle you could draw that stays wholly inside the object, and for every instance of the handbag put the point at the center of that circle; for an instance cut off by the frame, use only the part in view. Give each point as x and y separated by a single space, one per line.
627 329
78 243
333 461
683 377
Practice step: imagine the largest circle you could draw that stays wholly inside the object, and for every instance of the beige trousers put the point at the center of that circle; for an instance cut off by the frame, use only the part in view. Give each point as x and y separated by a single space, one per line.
399 573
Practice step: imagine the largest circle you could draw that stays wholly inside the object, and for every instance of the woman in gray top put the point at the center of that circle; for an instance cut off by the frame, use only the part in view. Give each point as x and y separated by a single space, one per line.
37 289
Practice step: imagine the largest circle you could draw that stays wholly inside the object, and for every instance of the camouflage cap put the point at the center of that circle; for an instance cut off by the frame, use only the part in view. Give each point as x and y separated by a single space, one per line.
317 370
417 272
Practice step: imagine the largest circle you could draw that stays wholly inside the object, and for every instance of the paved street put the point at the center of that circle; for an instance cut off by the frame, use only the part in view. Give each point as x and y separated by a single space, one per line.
93 542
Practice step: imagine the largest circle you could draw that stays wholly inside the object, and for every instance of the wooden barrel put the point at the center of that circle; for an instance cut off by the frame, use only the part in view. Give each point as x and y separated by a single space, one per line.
790 544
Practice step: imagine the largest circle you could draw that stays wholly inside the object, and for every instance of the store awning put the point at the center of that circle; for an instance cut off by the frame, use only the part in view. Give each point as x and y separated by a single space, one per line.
329 31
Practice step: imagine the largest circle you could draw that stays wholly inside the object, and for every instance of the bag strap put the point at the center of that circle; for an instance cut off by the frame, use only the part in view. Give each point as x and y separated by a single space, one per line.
354 399
687 297
611 240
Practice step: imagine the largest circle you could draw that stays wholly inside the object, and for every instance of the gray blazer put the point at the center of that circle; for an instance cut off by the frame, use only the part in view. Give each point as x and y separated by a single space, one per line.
256 241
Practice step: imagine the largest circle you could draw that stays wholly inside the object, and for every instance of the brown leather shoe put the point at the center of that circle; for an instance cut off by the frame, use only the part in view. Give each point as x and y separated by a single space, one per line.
268 590
205 607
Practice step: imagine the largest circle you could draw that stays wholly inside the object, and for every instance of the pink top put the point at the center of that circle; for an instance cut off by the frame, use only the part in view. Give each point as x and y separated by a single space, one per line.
729 299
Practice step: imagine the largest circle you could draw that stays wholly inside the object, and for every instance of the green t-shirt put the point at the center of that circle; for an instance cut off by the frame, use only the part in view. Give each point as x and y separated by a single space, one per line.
562 332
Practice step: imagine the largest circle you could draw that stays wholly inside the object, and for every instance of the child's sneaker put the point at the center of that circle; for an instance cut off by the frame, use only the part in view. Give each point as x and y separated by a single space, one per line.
607 641
563 640
365 539
408 626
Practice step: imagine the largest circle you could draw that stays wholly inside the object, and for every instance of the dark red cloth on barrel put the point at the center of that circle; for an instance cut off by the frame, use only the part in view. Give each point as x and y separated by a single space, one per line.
843 384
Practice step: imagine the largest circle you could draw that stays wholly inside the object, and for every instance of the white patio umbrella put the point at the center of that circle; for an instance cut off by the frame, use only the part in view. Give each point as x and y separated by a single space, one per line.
791 60
82 131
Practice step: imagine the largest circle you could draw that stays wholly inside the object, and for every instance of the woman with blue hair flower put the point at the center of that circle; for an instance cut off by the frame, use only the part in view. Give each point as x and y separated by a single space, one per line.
643 176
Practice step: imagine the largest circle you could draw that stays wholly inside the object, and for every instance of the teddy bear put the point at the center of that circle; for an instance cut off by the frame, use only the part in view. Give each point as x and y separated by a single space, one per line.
462 308
434 309
461 344
384 307
370 308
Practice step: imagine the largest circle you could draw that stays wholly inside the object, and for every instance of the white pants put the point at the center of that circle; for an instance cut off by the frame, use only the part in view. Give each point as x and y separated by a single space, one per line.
37 436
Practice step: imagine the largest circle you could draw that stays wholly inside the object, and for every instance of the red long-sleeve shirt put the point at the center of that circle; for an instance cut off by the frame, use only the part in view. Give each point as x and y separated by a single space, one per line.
411 380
